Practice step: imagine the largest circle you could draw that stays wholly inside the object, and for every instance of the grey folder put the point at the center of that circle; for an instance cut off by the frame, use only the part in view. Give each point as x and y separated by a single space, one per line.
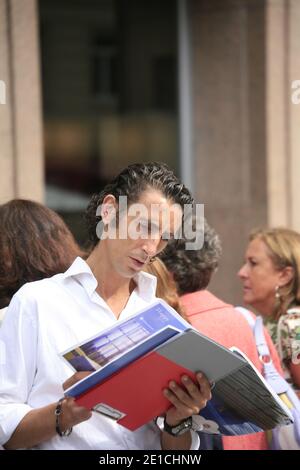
239 385
196 352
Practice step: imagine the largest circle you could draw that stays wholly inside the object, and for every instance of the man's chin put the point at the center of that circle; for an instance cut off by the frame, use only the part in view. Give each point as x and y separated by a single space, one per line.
129 273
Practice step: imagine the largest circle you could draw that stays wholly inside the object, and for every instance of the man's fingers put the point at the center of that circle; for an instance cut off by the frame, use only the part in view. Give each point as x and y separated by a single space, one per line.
73 414
185 410
204 385
190 397
187 396
75 378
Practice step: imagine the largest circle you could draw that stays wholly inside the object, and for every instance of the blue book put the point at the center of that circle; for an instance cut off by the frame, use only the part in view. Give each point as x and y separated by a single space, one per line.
118 346
122 361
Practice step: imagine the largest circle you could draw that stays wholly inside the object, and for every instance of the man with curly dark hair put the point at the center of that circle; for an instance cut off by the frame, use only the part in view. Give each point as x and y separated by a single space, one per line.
129 223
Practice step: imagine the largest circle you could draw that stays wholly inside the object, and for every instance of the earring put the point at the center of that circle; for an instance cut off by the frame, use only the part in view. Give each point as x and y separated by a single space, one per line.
277 293
151 260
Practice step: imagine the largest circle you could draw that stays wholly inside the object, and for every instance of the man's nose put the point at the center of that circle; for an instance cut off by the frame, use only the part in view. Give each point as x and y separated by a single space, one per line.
150 246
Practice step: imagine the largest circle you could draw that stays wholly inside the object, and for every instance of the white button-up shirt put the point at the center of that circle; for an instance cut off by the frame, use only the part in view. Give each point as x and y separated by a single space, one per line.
2 313
45 318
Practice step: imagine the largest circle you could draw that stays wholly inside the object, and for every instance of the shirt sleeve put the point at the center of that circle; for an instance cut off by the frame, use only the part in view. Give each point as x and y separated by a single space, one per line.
18 348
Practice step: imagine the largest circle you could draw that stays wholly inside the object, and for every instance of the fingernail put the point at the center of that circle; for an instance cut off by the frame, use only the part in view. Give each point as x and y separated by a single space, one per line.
199 375
185 378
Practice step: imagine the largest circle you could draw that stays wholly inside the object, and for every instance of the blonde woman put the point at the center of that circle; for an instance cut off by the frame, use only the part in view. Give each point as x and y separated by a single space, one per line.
271 284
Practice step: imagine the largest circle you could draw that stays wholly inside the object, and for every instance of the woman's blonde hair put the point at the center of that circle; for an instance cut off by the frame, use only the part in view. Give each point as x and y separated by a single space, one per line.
166 287
284 249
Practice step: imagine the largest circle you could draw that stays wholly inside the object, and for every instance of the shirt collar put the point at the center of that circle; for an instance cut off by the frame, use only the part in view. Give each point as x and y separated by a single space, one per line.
79 266
146 283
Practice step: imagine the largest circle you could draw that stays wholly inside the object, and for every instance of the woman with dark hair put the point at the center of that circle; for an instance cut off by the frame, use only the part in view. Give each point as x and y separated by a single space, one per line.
35 243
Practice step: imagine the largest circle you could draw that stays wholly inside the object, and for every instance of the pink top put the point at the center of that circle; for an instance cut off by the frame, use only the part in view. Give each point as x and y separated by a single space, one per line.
222 323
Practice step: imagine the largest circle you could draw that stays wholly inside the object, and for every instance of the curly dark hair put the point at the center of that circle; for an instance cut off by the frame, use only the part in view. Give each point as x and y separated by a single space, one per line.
131 182
192 269
35 243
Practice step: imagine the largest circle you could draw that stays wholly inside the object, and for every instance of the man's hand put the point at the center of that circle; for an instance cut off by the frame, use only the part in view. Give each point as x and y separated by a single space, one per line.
188 399
73 414
39 424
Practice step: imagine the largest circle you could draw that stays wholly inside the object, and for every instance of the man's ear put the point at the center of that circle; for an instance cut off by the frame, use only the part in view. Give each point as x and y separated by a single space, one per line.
108 209
285 276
